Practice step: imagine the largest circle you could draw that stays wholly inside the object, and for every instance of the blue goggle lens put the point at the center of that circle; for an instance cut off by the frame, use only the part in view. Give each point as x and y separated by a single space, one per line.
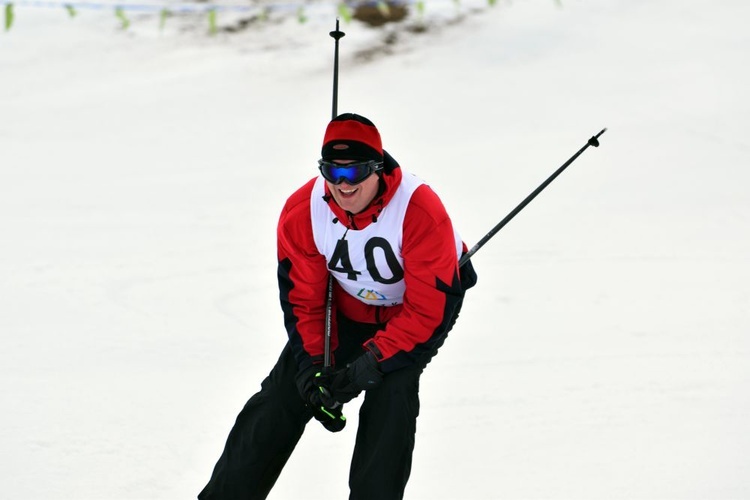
352 173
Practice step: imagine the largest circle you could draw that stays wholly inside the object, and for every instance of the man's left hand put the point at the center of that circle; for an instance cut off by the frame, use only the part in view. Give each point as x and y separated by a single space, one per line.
344 385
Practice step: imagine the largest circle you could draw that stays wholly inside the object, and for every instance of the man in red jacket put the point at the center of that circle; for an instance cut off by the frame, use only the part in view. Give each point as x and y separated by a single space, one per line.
389 244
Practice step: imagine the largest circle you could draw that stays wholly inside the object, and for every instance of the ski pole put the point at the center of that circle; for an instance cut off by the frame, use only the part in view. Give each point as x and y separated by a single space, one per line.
337 420
336 35
593 141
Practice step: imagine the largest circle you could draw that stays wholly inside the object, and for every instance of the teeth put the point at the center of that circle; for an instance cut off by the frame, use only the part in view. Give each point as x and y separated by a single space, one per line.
350 191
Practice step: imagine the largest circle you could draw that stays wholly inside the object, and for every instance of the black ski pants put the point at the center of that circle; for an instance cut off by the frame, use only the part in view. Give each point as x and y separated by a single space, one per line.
273 420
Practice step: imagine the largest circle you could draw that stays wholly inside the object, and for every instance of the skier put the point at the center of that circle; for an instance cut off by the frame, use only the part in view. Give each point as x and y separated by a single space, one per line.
386 238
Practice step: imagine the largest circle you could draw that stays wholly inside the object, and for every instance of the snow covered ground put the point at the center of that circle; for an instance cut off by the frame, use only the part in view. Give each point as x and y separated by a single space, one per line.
604 353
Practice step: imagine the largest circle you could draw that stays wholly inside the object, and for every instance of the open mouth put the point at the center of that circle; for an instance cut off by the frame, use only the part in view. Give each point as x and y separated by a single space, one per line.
348 192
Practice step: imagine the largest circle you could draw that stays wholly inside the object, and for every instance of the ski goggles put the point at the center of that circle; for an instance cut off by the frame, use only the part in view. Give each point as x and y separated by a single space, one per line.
351 173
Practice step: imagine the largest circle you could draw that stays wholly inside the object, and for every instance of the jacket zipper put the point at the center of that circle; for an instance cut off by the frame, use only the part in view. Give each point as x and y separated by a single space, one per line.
351 220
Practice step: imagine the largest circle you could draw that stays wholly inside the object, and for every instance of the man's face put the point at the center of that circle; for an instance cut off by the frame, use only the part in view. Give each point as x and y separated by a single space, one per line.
354 198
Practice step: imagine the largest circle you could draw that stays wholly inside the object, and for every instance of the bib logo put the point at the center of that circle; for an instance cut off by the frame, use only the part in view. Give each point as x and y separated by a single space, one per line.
371 295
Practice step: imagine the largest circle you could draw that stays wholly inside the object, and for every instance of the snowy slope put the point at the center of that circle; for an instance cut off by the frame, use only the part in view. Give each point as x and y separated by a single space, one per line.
603 354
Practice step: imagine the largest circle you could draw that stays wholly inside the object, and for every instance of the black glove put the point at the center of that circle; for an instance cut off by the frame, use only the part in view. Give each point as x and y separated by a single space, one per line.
309 389
331 418
304 381
344 385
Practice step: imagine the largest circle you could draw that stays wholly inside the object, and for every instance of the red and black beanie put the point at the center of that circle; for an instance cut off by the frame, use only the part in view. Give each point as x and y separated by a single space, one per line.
352 137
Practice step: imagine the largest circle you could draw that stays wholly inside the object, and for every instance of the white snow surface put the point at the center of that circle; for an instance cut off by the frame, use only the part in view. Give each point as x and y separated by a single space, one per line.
604 353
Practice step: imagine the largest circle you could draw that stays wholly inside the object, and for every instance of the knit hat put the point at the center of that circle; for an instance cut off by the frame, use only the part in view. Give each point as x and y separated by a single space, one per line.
352 137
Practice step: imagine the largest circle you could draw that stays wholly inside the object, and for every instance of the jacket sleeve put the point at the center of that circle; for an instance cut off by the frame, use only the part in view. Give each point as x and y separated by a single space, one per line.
434 291
303 279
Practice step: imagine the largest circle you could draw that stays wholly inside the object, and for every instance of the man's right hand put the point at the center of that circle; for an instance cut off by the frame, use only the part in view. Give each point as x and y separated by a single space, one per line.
309 389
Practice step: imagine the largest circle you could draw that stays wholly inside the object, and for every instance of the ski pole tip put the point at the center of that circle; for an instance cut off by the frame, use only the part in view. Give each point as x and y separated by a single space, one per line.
594 141
337 33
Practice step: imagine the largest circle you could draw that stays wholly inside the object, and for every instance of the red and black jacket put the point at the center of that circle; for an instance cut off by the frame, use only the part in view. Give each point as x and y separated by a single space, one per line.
433 285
